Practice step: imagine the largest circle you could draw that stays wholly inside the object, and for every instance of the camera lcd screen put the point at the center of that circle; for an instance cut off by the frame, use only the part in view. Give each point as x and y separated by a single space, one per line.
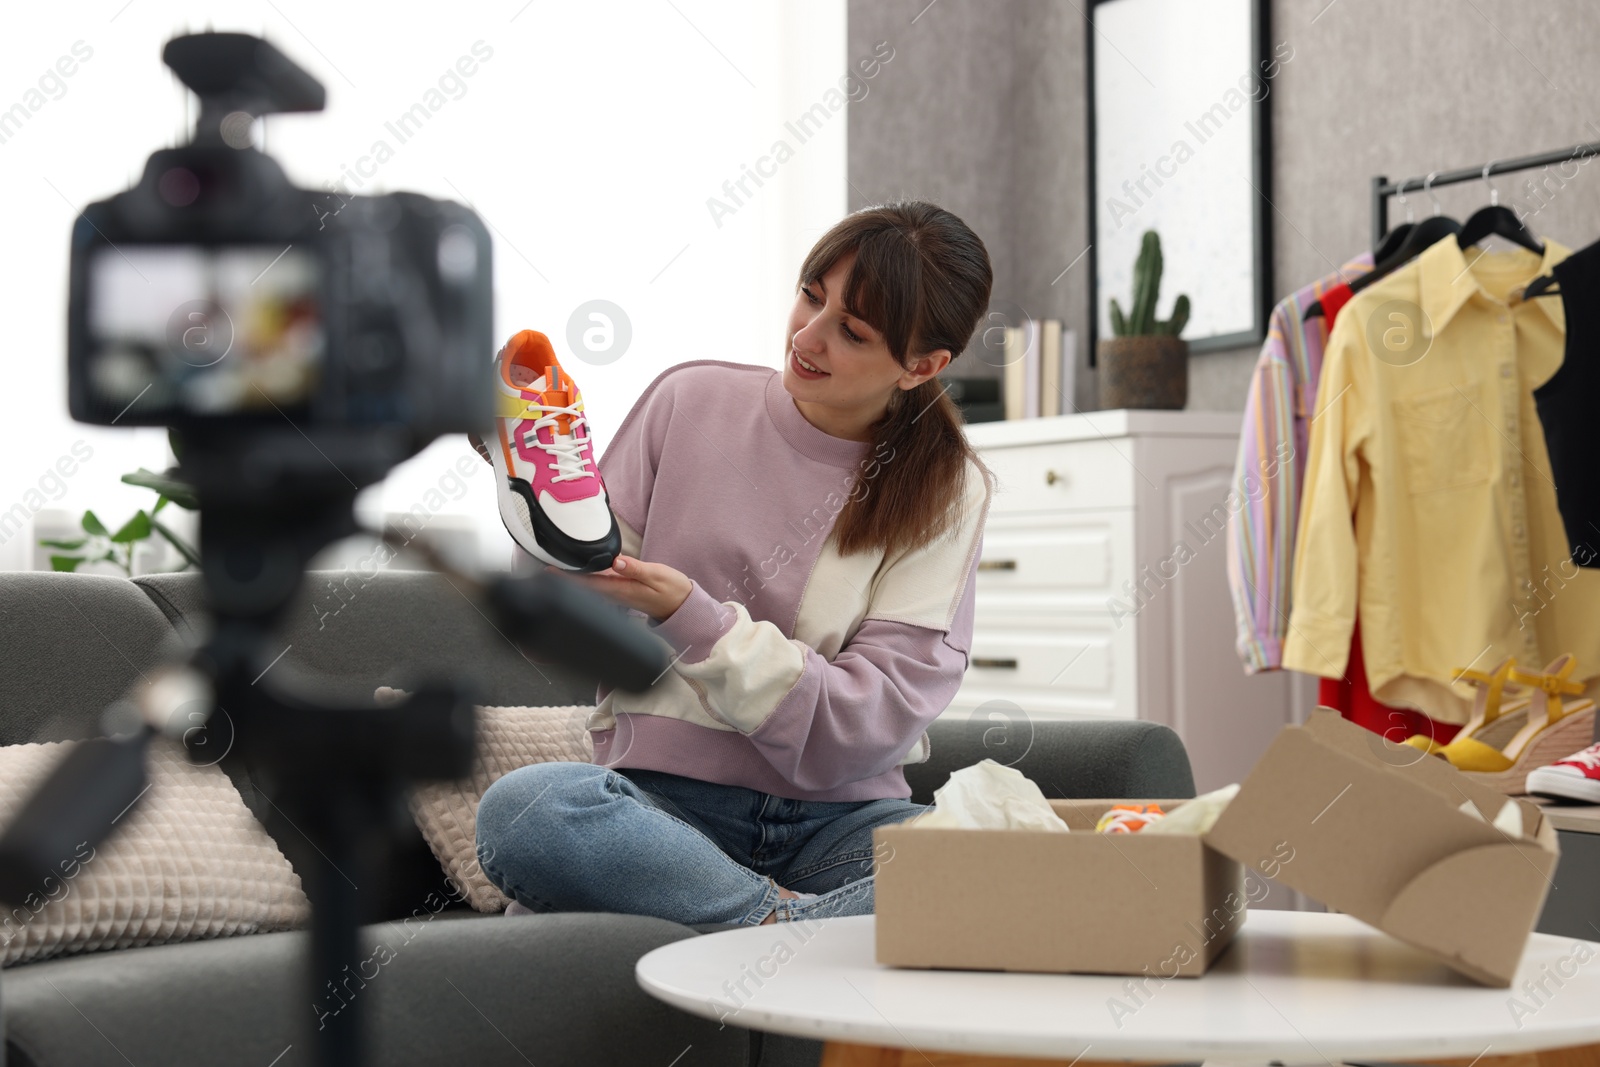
204 330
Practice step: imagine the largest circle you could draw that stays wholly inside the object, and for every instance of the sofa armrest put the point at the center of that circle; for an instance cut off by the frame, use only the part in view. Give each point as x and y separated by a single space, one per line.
1110 758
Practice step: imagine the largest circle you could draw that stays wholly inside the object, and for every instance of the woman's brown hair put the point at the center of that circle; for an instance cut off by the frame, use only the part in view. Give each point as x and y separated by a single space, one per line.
921 278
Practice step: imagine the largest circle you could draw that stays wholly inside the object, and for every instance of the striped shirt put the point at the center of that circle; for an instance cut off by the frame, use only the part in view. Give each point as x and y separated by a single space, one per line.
1270 470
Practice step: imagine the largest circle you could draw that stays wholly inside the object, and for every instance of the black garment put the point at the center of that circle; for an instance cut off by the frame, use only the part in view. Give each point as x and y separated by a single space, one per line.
1569 406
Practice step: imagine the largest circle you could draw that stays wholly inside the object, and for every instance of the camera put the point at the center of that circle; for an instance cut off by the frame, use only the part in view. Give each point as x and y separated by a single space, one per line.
217 298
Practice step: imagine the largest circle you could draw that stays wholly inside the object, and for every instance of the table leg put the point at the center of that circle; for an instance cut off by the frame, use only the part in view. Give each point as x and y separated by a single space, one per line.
840 1054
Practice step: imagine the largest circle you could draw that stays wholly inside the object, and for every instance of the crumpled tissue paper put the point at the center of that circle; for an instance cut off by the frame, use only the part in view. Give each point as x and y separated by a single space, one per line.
990 796
1508 822
1195 816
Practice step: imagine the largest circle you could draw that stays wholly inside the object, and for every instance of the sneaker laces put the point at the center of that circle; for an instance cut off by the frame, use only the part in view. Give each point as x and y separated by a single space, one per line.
1589 758
567 449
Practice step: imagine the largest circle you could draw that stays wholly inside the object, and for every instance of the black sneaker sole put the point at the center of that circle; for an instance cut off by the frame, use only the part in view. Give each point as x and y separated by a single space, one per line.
556 547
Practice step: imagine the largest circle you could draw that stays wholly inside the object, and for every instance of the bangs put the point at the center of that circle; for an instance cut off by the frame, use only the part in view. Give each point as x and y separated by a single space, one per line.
885 285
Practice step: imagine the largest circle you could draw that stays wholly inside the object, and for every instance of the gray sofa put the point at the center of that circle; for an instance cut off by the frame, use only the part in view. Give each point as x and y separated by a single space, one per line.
548 989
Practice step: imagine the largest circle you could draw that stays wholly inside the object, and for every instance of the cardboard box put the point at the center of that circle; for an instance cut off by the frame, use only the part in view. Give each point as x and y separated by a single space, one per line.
1375 831
1080 902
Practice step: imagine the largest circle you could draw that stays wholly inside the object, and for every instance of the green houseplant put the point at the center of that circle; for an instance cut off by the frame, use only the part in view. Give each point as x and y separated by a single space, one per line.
1146 363
101 544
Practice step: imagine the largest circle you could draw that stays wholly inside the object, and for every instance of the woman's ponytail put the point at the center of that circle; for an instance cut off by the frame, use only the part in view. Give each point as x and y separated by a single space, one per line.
922 278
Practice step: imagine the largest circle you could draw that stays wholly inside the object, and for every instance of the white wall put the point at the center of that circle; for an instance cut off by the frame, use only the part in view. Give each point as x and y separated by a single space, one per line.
590 139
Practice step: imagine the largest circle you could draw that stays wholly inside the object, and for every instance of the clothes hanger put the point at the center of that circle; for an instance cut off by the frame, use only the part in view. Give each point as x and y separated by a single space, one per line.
1394 238
1543 285
1496 220
1423 235
1391 242
1386 248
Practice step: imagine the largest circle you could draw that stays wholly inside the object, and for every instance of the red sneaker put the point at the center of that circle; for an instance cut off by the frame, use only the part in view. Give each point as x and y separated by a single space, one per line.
1575 778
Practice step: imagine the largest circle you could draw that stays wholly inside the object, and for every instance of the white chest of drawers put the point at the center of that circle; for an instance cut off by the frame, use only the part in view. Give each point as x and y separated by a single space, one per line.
1102 589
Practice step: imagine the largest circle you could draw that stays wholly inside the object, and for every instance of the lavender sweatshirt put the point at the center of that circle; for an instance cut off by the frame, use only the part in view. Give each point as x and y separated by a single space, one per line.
796 671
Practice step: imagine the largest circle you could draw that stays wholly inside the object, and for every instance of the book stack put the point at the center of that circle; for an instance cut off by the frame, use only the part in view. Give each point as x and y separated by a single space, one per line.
1040 370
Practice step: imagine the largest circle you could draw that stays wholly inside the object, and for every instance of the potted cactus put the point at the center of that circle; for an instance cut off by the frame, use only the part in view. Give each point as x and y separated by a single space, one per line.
1146 363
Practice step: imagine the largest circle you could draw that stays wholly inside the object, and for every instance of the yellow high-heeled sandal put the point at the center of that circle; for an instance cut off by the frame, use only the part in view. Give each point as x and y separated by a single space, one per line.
1552 729
1489 706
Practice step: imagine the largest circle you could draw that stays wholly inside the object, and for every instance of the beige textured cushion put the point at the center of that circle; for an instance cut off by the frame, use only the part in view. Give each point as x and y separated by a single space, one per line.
508 738
188 862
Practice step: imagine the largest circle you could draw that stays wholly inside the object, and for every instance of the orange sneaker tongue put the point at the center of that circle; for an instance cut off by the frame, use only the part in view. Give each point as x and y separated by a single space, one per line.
559 398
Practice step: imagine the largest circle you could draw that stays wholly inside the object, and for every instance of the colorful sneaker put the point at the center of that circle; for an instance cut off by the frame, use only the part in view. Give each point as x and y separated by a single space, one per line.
1128 818
552 499
1575 778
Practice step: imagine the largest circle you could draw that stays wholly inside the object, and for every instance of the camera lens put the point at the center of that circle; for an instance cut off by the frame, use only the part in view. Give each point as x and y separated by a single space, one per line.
179 187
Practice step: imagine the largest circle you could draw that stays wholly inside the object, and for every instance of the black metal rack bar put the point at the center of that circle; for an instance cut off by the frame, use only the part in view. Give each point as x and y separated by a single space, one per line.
1383 188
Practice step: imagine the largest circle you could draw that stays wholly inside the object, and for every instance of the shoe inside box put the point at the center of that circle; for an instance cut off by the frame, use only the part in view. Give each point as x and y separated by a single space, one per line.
1082 815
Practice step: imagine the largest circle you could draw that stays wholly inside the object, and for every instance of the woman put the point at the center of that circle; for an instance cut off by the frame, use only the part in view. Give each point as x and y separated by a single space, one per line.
812 539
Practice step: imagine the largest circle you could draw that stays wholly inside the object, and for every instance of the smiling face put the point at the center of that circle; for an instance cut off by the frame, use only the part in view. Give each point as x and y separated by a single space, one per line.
838 368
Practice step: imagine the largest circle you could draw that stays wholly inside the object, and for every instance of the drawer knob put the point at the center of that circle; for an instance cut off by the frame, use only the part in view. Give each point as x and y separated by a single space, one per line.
990 661
997 564
1051 477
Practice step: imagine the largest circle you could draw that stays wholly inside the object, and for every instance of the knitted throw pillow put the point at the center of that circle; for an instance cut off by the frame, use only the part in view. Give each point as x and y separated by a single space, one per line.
188 862
508 738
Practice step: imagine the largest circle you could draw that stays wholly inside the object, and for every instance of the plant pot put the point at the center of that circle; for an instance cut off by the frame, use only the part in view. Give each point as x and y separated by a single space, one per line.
1144 372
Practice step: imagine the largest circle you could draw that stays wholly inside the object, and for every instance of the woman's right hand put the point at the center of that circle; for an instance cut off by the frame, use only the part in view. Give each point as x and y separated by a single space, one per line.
653 588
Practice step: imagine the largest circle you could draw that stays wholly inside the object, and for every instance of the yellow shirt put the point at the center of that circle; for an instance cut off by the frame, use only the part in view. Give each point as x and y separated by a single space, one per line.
1429 505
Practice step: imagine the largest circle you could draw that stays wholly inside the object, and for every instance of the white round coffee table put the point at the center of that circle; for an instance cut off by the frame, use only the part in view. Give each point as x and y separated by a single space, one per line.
1295 987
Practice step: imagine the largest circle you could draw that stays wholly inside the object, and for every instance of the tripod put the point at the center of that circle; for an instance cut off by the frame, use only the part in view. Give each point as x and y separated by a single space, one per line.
337 774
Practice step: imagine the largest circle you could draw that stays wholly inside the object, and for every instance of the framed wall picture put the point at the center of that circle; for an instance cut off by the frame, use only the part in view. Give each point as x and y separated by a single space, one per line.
1180 143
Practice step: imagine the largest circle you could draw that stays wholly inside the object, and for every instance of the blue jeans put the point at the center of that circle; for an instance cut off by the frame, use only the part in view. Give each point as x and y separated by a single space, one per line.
580 837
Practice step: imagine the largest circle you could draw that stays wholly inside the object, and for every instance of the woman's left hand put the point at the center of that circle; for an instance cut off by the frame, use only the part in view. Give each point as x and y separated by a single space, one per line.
653 588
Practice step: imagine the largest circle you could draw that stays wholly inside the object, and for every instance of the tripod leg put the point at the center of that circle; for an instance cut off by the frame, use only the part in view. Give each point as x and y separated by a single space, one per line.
334 979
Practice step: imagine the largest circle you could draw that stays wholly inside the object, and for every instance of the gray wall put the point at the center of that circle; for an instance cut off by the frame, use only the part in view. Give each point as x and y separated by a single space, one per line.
982 111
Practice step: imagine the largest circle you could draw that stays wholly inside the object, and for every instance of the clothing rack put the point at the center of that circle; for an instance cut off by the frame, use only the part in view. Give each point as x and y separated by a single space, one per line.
1383 189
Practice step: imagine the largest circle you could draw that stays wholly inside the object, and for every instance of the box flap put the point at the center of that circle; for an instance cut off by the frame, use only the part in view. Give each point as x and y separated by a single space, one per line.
1383 839
1354 832
1440 910
1431 772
